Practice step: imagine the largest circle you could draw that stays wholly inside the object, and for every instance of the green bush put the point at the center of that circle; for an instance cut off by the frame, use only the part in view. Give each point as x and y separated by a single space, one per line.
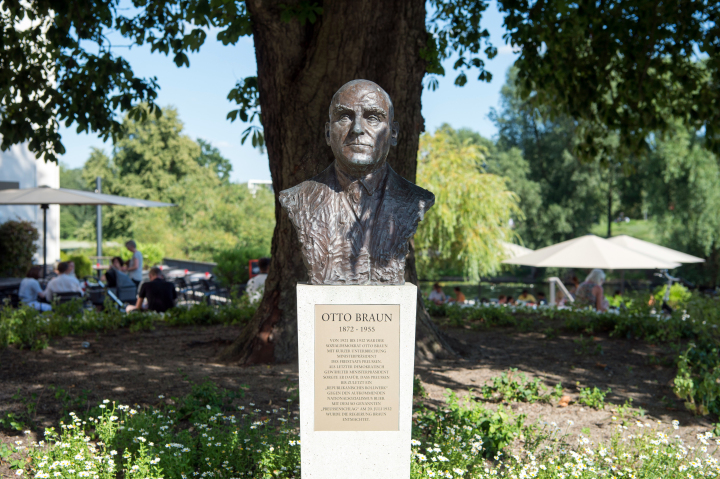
698 379
83 265
29 328
679 295
232 264
17 247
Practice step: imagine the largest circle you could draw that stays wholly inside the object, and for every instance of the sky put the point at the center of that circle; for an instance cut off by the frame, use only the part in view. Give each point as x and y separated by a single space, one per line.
199 93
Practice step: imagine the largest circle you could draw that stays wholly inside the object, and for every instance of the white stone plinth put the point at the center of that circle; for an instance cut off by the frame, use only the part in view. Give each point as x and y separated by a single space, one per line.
355 454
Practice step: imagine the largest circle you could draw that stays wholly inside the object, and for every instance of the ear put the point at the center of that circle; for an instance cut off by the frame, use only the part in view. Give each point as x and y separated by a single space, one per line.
327 133
395 133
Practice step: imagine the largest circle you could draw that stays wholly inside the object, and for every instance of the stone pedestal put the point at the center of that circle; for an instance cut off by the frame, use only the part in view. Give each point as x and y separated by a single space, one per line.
356 355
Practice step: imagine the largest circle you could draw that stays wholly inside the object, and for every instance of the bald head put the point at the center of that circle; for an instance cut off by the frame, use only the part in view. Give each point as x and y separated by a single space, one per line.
361 127
364 87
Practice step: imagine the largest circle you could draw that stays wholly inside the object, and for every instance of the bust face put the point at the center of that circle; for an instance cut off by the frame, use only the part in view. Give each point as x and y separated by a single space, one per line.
361 128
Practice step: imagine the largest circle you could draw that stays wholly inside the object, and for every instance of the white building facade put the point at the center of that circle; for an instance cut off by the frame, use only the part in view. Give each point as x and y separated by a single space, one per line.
20 169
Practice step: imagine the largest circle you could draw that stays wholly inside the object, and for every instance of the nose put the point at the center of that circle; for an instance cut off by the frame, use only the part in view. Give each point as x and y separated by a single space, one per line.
356 126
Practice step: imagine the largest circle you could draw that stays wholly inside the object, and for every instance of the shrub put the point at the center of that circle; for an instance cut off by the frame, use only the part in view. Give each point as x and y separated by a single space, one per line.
17 247
83 266
232 264
679 295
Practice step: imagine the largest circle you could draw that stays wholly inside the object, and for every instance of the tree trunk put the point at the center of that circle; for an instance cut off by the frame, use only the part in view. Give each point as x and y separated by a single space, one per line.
299 69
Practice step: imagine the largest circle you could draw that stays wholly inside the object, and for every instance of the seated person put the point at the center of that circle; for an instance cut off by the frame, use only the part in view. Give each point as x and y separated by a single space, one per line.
116 278
30 290
256 286
590 292
459 296
64 282
527 297
160 294
110 276
510 300
437 295
541 298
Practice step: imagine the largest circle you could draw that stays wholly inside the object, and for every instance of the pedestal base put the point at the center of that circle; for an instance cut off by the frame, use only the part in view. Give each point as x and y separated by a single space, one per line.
356 380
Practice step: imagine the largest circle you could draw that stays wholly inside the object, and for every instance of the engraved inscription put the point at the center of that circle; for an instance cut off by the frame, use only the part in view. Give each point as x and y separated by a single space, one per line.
357 367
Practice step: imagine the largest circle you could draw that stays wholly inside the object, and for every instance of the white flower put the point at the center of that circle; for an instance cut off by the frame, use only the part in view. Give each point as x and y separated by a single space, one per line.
105 401
161 397
415 442
19 472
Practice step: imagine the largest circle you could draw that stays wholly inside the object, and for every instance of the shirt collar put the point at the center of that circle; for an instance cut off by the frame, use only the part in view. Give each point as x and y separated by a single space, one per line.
370 181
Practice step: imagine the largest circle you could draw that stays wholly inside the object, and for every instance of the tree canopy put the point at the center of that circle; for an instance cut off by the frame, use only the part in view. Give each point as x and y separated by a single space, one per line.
617 68
466 228
157 161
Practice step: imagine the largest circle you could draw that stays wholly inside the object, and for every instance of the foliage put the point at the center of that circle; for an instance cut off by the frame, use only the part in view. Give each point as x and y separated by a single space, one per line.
560 197
418 388
239 311
75 218
641 66
682 187
48 78
679 295
211 159
18 245
593 397
466 432
83 266
470 218
509 389
698 379
28 328
158 162
213 430
232 264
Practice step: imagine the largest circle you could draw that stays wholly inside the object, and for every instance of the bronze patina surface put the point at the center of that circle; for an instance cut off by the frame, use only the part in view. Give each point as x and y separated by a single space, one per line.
354 220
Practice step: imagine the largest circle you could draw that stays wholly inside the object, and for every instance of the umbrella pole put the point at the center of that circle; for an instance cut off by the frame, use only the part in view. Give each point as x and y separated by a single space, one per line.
622 282
98 184
44 208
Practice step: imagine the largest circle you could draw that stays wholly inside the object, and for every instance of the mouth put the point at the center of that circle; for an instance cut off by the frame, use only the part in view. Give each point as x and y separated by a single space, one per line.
358 145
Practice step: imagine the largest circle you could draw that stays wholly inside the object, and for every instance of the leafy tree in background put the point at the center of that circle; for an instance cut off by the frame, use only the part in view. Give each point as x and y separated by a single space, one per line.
157 161
73 218
465 229
560 196
211 158
621 69
683 189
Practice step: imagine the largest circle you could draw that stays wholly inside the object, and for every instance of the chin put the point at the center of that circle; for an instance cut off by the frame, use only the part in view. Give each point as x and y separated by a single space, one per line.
362 160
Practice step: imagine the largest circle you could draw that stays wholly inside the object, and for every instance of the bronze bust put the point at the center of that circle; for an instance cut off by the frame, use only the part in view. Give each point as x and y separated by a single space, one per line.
354 220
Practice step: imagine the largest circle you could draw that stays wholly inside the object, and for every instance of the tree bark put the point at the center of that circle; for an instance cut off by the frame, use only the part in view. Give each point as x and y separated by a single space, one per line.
299 69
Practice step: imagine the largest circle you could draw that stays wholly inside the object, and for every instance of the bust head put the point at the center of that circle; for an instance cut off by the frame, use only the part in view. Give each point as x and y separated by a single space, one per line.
361 127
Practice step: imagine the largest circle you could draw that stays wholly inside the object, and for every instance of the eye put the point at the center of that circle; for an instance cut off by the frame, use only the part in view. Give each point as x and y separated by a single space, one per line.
344 117
373 118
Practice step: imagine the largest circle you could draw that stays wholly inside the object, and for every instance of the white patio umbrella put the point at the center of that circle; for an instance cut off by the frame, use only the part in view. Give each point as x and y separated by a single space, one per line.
46 196
590 252
654 250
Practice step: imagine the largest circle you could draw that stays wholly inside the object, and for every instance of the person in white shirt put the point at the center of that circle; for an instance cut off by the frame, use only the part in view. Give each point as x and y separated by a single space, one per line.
64 282
256 286
30 290
135 265
437 295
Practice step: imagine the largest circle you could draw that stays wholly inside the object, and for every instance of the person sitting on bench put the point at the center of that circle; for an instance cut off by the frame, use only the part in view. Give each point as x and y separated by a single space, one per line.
160 294
64 282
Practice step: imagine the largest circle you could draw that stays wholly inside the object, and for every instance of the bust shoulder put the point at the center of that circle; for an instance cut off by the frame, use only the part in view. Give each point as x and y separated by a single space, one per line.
411 193
307 194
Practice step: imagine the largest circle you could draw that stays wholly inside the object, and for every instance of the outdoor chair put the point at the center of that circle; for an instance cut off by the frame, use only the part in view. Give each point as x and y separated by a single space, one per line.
62 298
